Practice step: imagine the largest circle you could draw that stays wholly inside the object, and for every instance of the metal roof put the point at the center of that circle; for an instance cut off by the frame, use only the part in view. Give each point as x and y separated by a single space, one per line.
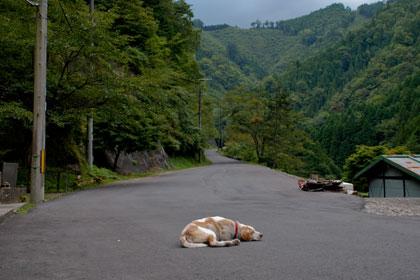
409 164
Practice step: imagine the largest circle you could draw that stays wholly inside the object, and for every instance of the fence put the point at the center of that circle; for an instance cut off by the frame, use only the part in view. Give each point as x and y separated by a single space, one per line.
56 180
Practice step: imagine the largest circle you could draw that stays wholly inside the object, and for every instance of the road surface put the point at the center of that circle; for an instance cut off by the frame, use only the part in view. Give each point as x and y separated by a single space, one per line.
130 230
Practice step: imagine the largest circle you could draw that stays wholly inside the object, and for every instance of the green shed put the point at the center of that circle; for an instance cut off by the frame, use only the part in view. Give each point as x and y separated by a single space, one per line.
393 176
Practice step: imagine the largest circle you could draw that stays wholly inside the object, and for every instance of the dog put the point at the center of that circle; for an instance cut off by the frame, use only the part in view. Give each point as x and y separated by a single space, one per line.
217 232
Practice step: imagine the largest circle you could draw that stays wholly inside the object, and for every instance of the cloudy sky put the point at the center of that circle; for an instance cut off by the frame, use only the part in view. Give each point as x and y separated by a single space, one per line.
242 12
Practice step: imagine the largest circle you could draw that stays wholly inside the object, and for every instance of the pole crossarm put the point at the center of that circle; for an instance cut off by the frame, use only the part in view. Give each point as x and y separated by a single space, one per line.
34 4
192 81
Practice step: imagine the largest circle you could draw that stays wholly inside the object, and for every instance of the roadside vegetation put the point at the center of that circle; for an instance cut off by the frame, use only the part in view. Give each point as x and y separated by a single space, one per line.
56 180
129 69
320 94
358 88
98 177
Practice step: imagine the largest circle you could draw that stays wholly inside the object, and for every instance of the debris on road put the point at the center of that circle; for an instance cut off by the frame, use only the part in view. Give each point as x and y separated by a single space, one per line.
311 185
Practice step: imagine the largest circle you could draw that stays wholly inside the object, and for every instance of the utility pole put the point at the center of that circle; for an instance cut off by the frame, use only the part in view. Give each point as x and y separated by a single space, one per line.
199 99
197 82
91 8
90 139
200 156
90 117
219 144
199 106
40 89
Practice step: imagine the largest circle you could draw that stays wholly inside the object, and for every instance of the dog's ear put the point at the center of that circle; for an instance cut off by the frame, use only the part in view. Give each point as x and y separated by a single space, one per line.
246 233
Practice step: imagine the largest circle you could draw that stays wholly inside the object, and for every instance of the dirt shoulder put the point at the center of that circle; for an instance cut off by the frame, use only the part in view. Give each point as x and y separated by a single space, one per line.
393 206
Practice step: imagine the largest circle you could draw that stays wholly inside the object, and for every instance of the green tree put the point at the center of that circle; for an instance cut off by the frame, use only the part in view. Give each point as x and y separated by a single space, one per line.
121 65
364 156
246 111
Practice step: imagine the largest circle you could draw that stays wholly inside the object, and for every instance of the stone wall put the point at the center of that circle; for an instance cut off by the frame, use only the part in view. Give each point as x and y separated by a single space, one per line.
11 195
137 163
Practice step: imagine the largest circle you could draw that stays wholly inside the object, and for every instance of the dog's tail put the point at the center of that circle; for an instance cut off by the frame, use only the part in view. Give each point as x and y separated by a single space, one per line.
185 243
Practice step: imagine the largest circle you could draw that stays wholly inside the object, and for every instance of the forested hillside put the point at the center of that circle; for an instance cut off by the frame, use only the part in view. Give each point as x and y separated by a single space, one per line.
365 89
127 69
232 56
352 76
298 95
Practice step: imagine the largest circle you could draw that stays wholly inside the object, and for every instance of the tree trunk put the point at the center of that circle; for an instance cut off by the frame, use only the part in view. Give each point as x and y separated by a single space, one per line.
255 139
117 156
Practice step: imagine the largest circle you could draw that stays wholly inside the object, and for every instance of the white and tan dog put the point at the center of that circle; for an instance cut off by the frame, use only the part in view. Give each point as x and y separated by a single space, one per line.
217 232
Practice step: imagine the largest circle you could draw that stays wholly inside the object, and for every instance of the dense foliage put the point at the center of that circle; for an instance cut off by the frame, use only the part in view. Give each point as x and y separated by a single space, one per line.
358 84
364 156
262 127
365 89
123 68
300 95
263 130
242 57
320 22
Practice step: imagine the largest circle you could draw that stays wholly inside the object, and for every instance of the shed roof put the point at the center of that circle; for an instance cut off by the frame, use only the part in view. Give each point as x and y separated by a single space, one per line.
409 164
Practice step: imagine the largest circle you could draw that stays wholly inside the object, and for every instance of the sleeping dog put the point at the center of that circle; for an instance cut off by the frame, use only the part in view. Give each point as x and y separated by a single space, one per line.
217 232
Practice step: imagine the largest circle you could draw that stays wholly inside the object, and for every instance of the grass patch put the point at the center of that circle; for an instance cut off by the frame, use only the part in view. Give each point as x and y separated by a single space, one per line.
363 194
180 163
25 208
28 205
56 179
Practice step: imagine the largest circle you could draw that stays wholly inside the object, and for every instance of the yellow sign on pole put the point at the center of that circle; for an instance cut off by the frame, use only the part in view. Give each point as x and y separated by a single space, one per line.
42 161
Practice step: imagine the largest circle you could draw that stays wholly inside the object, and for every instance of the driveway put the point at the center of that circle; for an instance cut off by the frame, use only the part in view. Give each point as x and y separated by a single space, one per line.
130 230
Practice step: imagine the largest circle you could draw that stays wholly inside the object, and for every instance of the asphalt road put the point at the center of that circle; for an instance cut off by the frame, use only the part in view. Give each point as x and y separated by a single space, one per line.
130 230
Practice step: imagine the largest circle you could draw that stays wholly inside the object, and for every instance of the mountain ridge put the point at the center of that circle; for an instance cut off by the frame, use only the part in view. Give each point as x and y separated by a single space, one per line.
233 56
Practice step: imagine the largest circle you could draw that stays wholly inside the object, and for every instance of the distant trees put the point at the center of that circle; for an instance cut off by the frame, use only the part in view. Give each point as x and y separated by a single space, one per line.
262 127
357 92
363 156
198 23
266 24
215 27
336 13
234 56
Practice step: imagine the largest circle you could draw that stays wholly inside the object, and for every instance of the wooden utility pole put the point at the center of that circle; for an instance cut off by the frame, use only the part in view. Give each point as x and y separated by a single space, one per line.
91 8
197 82
199 106
200 156
199 99
220 145
40 89
90 117
90 140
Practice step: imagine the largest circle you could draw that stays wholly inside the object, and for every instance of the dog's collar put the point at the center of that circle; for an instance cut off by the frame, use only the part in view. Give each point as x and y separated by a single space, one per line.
236 230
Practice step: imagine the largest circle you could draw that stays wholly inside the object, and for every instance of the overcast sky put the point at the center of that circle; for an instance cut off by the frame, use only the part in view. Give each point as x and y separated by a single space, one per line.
242 12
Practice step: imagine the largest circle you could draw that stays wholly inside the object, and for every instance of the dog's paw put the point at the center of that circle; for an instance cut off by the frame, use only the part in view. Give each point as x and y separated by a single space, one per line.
236 241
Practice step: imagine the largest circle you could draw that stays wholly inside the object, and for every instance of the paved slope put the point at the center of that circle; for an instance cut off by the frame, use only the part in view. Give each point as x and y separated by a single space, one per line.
130 230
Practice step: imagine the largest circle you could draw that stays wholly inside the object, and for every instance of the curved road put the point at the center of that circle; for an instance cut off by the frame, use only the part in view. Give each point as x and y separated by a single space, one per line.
130 230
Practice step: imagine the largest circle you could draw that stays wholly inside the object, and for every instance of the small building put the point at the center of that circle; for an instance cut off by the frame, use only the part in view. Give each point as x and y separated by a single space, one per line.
393 176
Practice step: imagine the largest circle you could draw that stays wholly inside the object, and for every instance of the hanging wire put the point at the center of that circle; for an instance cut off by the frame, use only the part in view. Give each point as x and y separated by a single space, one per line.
65 16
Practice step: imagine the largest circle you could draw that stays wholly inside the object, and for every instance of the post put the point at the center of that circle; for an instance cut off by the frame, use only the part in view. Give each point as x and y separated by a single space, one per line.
220 146
199 120
199 106
90 141
40 86
200 156
90 118
67 180
58 181
91 7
